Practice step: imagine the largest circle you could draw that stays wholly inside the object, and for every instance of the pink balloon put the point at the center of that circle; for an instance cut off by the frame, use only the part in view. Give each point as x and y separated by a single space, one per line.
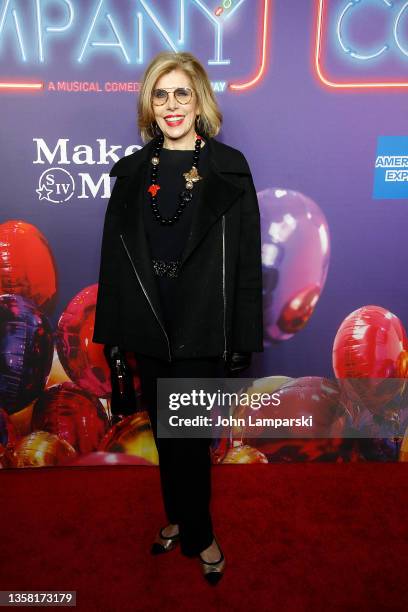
82 359
295 259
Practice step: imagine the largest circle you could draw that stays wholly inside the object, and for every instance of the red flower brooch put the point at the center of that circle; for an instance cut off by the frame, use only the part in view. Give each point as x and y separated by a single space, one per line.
153 189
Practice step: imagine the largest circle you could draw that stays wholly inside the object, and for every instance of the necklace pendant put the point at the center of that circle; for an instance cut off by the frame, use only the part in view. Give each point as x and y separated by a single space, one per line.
192 175
153 189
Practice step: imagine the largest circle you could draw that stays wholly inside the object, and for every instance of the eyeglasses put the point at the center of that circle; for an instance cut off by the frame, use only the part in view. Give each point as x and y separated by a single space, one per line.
183 95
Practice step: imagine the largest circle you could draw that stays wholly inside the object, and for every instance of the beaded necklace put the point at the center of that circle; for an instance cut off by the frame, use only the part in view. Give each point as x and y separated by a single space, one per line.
185 196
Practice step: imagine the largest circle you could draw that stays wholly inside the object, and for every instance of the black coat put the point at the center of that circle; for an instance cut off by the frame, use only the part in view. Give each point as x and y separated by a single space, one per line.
218 295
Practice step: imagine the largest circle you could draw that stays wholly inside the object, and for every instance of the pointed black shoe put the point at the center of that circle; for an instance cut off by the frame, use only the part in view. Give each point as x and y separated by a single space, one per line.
214 571
163 544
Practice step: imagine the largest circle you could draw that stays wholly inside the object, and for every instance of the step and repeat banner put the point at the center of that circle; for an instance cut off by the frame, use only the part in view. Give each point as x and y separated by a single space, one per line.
313 92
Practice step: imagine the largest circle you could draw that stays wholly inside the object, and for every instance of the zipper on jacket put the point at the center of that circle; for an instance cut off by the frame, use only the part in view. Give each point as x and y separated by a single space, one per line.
146 294
223 287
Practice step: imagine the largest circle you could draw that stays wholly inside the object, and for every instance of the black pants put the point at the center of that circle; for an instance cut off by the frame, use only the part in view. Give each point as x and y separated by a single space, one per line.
184 463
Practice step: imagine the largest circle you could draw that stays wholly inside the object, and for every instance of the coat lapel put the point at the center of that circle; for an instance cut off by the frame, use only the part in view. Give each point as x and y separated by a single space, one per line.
216 196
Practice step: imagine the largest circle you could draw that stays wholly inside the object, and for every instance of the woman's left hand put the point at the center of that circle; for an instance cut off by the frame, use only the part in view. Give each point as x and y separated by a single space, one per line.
238 361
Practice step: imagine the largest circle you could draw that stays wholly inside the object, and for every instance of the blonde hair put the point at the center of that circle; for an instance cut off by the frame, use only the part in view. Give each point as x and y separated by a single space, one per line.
210 120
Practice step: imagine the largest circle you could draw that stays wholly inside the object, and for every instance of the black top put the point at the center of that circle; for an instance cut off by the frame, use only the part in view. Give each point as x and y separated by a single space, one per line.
168 242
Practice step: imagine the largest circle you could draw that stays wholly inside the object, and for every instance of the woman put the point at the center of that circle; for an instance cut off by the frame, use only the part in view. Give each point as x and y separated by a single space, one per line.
180 281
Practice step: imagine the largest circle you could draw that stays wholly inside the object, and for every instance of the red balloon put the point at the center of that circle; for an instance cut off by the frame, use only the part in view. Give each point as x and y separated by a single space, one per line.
370 343
297 311
72 414
309 396
370 354
82 359
27 266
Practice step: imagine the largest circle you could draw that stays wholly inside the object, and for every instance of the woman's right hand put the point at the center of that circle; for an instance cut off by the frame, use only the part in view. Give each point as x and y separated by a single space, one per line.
111 353
123 398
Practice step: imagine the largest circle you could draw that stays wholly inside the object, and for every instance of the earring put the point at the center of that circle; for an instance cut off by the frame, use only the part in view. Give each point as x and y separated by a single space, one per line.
198 123
155 128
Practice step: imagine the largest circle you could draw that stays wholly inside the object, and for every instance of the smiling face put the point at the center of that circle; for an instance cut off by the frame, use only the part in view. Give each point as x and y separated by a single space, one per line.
179 133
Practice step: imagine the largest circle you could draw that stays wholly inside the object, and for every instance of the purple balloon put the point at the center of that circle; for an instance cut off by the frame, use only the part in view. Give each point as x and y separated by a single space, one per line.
26 350
295 259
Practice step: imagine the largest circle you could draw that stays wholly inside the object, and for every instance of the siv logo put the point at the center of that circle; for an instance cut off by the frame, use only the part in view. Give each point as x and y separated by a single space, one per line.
391 168
56 185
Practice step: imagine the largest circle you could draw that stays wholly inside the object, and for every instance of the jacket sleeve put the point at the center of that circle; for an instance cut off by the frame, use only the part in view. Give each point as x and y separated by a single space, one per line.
247 327
106 328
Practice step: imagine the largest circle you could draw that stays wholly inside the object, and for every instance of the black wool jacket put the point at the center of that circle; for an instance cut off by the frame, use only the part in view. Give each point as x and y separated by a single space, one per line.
218 294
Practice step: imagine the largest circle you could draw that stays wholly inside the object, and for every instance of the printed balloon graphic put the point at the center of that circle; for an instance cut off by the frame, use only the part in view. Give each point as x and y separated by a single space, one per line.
73 415
132 435
57 373
295 259
82 359
266 385
219 448
244 454
40 449
8 435
404 448
26 347
27 265
101 458
370 354
309 396
377 437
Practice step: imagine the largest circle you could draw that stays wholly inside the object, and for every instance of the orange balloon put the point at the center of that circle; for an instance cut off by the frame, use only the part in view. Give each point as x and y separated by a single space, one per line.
132 435
40 449
244 454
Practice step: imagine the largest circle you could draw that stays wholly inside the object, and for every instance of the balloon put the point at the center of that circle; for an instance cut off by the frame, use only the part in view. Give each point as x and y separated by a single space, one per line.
267 384
132 435
404 447
244 454
26 347
309 396
82 359
27 266
6 458
101 458
72 414
22 420
295 259
218 449
57 374
41 448
378 449
8 435
369 353
320 450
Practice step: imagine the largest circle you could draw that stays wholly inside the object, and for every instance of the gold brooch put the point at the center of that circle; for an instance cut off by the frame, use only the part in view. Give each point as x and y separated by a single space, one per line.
191 177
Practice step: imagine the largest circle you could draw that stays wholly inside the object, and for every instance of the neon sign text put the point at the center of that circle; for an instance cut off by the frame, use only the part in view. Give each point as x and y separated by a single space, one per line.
131 48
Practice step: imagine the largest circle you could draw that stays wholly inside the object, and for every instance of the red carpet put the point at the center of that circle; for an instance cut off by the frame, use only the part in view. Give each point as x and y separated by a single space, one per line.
296 537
